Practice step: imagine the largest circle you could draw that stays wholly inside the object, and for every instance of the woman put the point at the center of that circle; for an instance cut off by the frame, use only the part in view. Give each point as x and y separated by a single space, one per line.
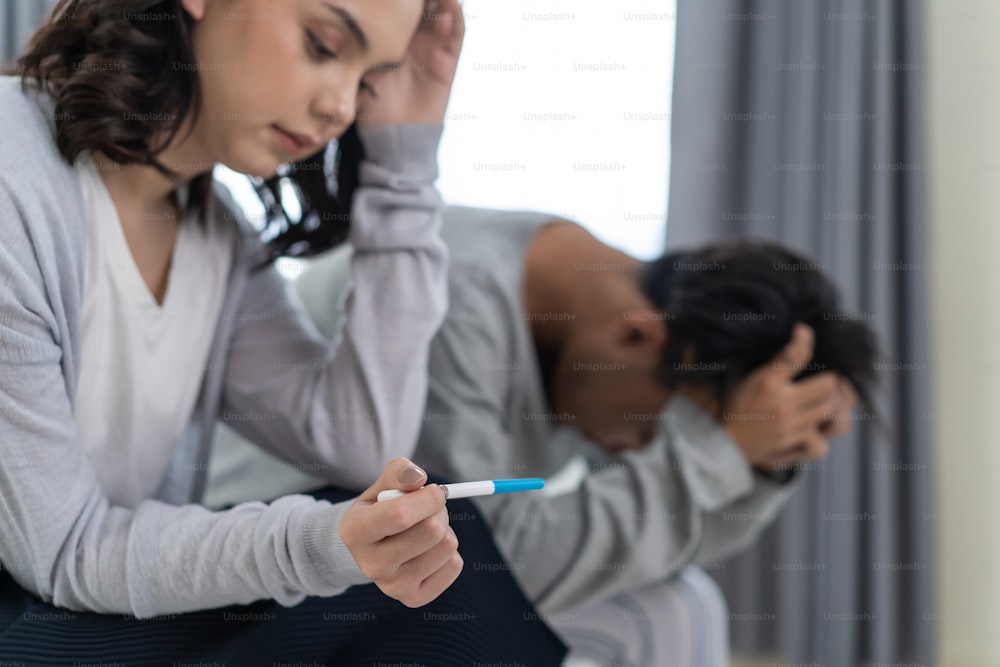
133 313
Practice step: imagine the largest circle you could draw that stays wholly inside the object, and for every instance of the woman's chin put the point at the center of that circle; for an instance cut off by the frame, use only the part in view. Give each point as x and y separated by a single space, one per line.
261 166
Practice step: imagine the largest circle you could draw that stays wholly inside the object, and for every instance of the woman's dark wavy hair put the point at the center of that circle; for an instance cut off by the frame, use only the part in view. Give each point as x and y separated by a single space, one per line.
119 71
324 186
122 71
730 308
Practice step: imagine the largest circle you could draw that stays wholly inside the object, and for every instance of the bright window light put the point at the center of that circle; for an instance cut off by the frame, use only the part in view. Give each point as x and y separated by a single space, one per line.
564 107
244 194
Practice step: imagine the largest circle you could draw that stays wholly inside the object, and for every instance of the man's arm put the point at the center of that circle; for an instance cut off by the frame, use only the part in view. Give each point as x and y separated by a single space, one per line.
635 519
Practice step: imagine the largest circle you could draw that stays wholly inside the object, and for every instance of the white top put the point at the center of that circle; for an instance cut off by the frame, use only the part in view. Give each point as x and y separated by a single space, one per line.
142 362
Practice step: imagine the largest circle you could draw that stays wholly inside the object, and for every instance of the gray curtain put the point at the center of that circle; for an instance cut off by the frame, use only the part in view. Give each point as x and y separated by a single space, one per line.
801 122
18 20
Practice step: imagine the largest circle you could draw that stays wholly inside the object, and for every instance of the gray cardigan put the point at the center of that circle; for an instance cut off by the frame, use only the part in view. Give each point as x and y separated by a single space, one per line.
342 409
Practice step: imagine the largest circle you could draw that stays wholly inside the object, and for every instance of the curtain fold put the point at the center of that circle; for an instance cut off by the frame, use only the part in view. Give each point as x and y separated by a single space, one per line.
802 123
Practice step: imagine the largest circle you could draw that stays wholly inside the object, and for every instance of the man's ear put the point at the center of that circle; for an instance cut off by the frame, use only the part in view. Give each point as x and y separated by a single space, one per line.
195 8
642 327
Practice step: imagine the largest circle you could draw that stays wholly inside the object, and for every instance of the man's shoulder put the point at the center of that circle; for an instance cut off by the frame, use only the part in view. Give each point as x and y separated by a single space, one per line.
487 247
482 235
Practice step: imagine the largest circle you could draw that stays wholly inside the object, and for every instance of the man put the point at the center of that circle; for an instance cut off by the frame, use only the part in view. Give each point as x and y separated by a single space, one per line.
554 349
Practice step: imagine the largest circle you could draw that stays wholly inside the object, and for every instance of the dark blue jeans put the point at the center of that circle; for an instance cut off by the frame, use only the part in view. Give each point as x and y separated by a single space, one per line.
482 619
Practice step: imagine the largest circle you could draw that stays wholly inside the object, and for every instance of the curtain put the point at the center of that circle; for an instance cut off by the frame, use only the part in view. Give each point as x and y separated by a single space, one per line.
800 122
18 20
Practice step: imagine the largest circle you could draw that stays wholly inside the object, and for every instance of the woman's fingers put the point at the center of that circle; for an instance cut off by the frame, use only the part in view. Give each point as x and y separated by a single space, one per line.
405 545
418 579
416 540
399 473
430 573
437 583
457 35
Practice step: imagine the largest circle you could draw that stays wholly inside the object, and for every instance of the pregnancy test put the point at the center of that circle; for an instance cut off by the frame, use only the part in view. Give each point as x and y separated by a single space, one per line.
485 488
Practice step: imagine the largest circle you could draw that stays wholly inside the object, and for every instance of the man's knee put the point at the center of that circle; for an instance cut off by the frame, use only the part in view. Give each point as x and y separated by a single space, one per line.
679 622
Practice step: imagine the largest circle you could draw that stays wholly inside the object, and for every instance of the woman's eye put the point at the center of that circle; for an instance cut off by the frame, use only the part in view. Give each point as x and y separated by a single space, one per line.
318 48
364 86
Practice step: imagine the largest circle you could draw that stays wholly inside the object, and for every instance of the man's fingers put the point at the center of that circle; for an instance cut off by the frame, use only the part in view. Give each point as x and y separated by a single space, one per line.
814 390
841 422
825 392
815 416
816 448
813 447
838 426
796 354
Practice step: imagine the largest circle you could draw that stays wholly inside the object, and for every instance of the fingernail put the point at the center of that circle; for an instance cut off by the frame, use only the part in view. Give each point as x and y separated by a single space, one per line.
412 475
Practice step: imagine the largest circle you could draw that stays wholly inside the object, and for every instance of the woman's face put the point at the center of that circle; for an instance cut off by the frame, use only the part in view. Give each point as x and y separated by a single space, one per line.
280 78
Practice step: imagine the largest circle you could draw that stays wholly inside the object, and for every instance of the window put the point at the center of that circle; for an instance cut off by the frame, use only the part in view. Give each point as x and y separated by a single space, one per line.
563 106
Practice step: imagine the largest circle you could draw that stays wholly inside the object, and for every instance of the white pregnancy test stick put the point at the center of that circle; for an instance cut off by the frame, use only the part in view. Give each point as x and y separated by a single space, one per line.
485 488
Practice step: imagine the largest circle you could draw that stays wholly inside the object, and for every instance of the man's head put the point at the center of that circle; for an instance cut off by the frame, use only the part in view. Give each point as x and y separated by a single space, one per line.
703 320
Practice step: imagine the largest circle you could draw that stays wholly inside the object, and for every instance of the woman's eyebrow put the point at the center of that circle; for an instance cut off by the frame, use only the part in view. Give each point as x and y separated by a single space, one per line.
351 23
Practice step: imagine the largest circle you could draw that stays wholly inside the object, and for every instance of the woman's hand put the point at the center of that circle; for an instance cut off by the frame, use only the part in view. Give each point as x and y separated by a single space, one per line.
404 545
418 91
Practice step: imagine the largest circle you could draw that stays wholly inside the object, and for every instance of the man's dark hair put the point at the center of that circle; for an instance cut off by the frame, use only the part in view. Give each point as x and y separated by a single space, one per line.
730 307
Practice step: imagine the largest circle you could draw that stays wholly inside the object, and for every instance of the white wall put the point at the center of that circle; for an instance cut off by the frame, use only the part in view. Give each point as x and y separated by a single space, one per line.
964 115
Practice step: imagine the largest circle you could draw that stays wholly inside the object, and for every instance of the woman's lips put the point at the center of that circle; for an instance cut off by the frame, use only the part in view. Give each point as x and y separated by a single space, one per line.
293 142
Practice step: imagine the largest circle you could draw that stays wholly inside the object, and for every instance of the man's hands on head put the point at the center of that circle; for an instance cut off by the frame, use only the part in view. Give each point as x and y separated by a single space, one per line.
404 545
779 423
418 91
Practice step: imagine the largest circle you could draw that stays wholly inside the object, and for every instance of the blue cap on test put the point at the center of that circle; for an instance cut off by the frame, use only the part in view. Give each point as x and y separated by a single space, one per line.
510 485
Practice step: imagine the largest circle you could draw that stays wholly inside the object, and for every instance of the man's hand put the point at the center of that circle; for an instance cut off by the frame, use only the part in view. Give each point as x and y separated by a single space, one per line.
418 90
404 545
778 422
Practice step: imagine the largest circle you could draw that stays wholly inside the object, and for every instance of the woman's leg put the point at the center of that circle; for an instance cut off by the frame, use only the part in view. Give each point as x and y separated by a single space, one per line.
482 618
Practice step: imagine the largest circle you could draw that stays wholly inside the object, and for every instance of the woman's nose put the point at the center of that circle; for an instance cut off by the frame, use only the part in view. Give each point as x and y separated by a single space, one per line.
337 109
